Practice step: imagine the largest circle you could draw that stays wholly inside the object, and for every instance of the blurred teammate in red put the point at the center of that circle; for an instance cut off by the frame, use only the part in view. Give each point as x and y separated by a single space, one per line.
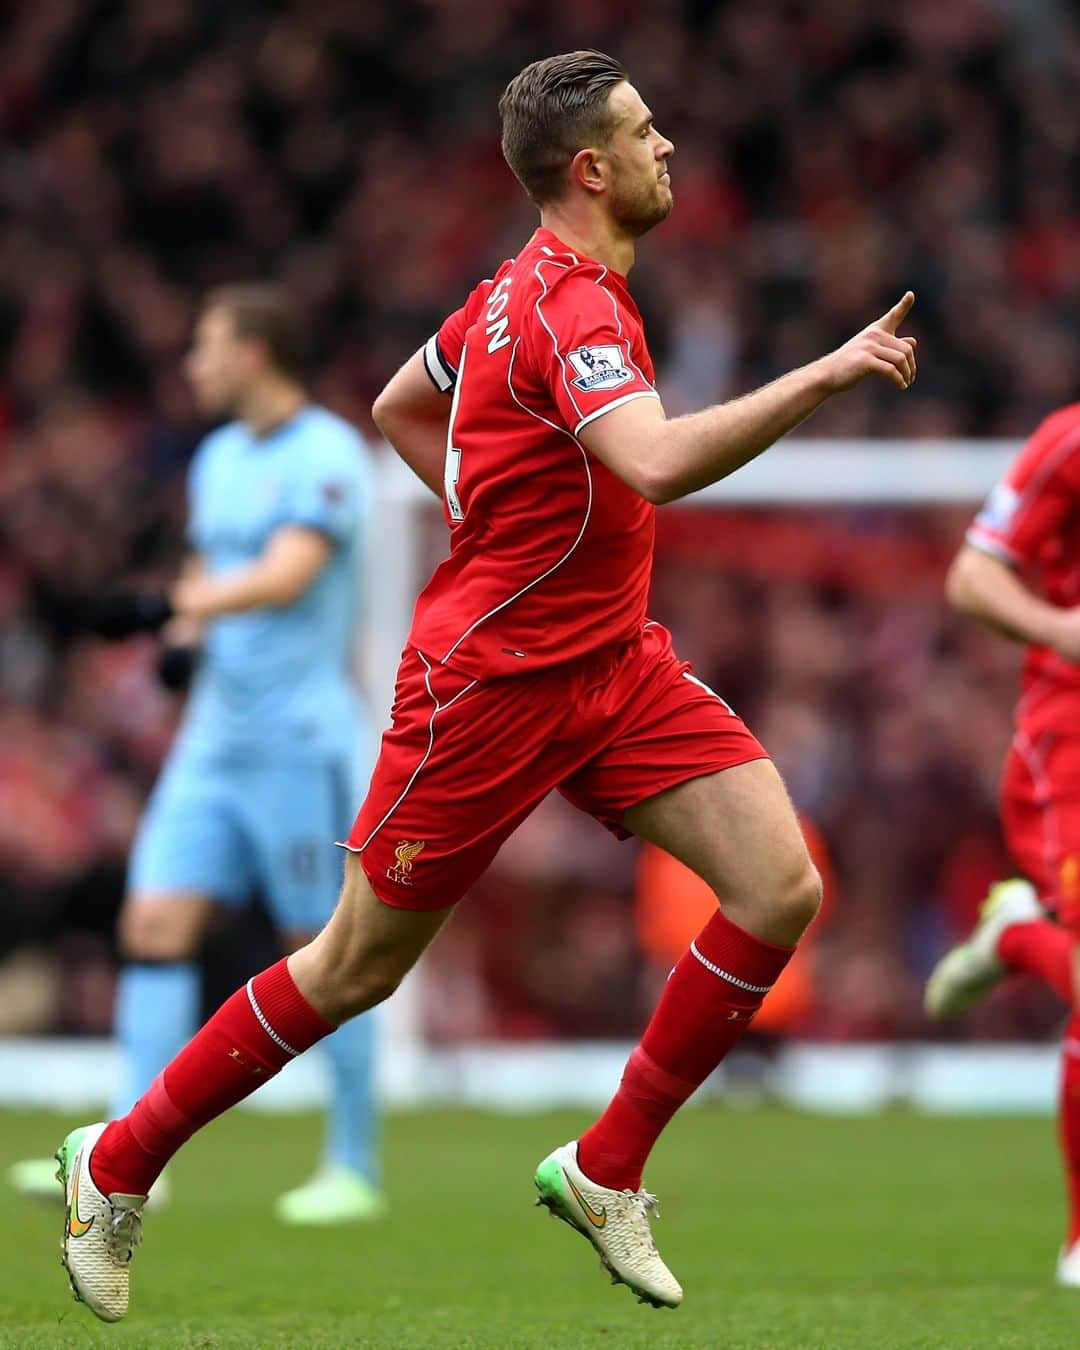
1019 574
531 666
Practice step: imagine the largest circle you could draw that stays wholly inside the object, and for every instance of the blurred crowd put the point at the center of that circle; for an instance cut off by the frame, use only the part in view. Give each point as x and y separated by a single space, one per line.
829 155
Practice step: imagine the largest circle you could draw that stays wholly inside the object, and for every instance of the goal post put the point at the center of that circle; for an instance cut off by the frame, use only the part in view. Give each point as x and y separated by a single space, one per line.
799 473
795 473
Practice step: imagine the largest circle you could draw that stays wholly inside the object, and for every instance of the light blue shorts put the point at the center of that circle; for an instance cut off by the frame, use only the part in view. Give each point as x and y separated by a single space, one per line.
230 826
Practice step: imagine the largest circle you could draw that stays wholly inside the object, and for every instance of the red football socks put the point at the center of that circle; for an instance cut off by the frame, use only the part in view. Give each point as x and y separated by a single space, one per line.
707 1004
251 1037
1069 1122
1042 949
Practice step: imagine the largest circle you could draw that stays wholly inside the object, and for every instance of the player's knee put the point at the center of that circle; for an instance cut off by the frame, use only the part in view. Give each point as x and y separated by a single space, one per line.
156 932
801 897
781 903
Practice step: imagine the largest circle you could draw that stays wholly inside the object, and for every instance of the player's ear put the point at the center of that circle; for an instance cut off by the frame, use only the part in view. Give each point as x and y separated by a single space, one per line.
589 170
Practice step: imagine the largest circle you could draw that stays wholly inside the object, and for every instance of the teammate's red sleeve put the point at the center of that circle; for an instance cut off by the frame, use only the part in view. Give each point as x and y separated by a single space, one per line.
586 351
442 351
1041 488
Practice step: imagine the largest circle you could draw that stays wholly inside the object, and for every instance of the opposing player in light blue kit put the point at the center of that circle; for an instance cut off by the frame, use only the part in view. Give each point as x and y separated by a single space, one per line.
273 753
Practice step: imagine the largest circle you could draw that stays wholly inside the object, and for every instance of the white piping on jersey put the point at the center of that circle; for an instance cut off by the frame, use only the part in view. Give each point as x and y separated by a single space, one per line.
618 324
438 708
552 254
278 1040
702 685
585 521
524 408
555 427
554 340
615 403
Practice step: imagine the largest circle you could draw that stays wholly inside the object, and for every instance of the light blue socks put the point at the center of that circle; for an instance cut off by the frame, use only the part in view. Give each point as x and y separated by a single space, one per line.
157 1013
352 1126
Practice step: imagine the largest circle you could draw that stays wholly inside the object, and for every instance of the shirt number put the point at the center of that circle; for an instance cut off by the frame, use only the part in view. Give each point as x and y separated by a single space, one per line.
450 477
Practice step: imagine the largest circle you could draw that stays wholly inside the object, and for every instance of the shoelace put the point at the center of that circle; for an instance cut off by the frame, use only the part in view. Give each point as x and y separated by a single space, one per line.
125 1234
641 1204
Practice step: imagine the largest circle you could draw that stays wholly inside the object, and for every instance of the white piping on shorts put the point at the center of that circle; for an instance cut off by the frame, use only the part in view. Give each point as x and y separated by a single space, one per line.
438 708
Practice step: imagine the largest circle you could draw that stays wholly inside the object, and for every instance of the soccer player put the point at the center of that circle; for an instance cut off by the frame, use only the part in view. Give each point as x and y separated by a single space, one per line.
1018 573
266 769
532 665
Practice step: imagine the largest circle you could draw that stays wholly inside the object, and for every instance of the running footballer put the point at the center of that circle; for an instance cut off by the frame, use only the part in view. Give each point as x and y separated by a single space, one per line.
532 665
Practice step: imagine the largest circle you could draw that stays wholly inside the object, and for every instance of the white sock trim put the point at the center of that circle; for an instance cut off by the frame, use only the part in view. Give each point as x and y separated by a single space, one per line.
266 1025
726 975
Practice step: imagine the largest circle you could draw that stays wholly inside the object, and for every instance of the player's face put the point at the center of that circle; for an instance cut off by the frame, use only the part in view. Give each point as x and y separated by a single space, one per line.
640 194
220 365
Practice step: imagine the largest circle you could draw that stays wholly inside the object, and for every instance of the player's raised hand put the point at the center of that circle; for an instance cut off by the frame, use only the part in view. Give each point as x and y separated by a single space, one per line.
876 351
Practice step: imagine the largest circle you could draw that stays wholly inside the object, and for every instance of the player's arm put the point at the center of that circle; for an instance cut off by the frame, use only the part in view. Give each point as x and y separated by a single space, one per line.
987 589
667 458
413 416
287 567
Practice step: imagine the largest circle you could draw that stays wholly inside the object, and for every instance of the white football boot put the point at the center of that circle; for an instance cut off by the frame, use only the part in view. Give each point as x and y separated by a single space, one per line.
100 1231
615 1222
971 969
1068 1267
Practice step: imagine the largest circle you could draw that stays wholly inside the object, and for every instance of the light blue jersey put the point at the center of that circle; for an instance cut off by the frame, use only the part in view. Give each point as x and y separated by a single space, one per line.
273 681
270 762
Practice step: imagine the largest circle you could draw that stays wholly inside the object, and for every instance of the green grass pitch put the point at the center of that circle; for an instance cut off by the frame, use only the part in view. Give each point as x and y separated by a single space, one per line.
785 1230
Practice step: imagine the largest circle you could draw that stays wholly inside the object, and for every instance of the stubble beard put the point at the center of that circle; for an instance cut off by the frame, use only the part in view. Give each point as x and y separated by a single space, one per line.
638 213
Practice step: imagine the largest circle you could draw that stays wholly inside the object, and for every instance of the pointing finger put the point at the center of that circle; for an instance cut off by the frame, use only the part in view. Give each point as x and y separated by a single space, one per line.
899 312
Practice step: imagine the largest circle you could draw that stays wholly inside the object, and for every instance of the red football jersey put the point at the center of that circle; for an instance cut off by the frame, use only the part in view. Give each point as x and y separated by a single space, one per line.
550 553
1031 520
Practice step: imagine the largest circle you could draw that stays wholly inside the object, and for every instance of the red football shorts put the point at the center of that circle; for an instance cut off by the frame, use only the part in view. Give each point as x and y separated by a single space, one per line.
465 761
1040 814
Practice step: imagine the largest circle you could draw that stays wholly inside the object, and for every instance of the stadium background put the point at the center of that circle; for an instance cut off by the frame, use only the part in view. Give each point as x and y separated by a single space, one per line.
828 156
